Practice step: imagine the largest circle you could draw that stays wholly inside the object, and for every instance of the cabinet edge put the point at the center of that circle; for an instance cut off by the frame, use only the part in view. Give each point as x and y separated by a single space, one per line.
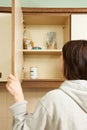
54 10
5 10
45 10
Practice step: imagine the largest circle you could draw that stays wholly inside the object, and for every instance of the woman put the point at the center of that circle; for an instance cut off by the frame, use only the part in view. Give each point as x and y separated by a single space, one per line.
60 109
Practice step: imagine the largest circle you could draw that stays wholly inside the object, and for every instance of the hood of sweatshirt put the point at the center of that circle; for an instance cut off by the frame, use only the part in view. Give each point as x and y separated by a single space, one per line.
77 90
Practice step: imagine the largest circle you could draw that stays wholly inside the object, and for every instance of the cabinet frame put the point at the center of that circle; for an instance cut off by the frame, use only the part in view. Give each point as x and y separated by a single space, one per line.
46 10
54 10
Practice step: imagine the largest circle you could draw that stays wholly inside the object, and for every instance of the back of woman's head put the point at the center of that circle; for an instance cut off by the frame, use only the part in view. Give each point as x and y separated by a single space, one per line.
75 59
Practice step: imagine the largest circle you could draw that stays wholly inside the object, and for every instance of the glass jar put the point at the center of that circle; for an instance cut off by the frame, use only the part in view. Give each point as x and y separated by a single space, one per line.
51 40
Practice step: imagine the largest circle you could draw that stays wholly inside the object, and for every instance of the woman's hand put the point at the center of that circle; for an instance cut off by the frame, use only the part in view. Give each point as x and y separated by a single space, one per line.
14 87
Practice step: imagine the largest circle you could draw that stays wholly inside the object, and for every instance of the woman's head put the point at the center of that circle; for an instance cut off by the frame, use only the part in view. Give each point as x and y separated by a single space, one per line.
75 59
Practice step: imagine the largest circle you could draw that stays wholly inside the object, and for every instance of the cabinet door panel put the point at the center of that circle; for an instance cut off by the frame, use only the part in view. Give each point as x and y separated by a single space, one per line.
5 45
78 26
17 38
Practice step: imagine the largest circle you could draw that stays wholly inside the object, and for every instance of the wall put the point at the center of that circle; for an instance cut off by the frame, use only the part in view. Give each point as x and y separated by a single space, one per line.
49 3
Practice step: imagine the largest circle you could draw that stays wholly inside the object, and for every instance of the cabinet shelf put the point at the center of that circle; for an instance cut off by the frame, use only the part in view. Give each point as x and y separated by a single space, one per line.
42 83
42 52
44 80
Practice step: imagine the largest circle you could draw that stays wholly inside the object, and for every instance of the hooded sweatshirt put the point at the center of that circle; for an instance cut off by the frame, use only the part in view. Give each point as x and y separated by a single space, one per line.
64 108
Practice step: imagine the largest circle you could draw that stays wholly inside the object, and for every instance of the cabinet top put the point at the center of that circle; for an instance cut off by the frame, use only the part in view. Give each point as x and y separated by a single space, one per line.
54 10
46 10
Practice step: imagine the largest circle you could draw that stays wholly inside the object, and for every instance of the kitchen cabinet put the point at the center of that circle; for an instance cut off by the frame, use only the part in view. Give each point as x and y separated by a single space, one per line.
5 45
34 26
78 26
10 39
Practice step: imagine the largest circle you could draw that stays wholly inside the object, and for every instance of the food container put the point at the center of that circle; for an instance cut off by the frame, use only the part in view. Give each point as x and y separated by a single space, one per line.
28 44
33 72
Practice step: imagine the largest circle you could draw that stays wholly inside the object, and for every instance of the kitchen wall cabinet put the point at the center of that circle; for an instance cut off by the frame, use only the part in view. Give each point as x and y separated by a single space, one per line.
36 25
10 39
78 26
5 45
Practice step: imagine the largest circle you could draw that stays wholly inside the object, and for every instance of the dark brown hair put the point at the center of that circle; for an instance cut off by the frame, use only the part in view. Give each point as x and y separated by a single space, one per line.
75 59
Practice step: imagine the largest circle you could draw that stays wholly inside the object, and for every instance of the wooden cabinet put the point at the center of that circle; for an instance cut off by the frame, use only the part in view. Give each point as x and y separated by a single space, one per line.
36 25
5 45
78 26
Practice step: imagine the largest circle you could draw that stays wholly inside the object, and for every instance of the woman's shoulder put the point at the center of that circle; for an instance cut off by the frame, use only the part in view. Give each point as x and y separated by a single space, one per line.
51 96
52 101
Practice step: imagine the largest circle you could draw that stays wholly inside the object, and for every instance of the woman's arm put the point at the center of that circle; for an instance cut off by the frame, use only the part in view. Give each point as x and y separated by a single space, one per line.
21 119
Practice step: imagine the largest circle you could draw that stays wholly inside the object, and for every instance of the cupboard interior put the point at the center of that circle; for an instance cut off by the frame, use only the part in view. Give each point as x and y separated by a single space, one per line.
36 27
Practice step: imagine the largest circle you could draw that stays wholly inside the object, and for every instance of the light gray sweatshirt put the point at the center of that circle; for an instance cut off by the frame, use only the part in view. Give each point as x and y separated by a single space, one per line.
60 109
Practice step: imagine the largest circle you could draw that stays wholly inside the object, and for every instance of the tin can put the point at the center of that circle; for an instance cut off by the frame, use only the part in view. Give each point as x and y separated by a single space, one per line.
33 72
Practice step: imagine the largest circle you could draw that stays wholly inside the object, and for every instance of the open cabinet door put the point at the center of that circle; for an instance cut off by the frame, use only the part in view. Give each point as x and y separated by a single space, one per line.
17 39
